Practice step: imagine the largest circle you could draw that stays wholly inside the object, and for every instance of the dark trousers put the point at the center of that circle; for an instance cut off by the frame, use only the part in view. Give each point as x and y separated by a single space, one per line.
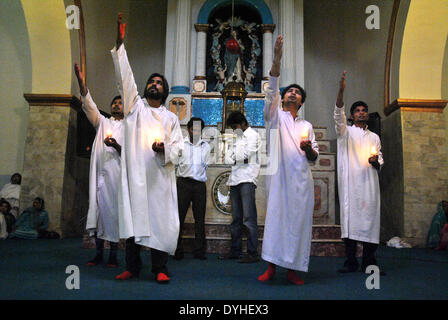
194 192
368 254
244 212
159 259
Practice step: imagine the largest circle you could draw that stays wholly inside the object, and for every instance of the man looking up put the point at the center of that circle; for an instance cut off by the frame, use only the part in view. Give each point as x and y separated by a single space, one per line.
359 160
104 177
148 212
290 198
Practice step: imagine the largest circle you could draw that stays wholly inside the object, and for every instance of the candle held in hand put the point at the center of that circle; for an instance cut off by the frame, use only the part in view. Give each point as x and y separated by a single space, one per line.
109 133
373 151
304 135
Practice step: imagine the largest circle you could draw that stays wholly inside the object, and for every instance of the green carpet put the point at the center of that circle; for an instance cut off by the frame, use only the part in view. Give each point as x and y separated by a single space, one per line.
35 269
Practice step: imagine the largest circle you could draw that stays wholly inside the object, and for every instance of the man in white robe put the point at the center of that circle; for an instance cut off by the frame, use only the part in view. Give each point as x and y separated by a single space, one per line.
104 176
290 190
359 160
148 212
11 193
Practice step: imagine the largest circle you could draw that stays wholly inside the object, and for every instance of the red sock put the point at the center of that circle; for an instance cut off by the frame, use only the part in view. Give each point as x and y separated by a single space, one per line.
269 274
124 276
293 278
162 278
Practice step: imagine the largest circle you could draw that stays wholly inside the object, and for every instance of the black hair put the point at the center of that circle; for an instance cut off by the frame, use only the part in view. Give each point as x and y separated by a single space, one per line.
115 98
166 87
192 120
2 201
236 118
357 104
295 85
41 201
17 174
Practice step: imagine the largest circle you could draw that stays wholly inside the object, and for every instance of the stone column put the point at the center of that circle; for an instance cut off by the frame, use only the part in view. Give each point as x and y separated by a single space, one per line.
268 30
286 26
291 27
414 178
51 169
200 80
181 71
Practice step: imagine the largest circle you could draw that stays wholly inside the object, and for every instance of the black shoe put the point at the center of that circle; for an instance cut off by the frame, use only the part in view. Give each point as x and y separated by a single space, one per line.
178 255
248 258
347 269
97 260
229 256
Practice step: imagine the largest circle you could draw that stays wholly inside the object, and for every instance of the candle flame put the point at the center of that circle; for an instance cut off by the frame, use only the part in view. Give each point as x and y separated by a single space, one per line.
373 151
304 135
156 135
109 133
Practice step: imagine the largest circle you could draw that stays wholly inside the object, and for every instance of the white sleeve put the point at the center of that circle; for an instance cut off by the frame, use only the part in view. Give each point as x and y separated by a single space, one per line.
272 99
340 121
91 110
125 78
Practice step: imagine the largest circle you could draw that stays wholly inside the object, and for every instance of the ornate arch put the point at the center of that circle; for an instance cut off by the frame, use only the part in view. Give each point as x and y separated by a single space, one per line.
210 5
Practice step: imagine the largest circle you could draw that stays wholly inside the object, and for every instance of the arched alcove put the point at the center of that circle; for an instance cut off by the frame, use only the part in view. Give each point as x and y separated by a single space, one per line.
211 5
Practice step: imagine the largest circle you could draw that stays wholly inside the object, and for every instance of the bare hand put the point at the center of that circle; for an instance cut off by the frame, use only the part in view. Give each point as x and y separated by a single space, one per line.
278 49
121 27
81 80
158 147
373 159
110 142
340 97
305 145
342 81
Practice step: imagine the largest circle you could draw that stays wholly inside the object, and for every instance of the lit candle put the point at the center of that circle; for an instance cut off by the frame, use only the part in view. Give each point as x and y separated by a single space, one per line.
373 151
157 136
304 135
109 133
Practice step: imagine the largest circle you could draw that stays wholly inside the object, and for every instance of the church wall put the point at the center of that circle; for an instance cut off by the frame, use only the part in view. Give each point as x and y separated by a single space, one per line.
144 41
336 39
391 179
15 79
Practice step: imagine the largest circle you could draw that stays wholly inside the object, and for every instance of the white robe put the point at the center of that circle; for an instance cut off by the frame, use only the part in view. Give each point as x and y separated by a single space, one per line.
148 195
358 184
104 176
290 190
3 227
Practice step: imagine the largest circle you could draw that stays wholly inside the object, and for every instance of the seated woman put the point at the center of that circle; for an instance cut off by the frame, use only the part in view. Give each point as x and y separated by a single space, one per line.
11 193
32 221
437 224
5 212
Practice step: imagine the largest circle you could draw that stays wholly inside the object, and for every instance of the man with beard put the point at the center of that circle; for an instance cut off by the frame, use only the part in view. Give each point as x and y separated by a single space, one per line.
148 212
290 198
104 177
359 160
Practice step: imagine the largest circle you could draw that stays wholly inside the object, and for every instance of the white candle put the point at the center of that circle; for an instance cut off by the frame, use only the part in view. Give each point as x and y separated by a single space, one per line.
157 135
304 135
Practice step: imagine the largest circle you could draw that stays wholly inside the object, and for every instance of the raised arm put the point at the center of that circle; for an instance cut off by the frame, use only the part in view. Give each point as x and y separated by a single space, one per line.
123 72
88 105
278 52
272 99
339 112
